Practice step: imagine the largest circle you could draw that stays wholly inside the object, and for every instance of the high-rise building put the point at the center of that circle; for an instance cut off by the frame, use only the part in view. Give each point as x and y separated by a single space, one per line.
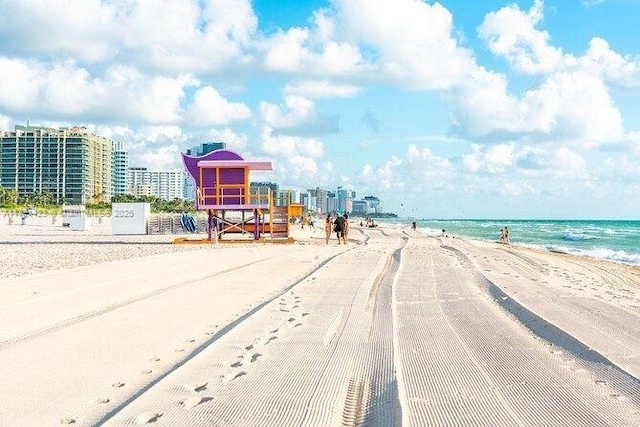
360 207
332 202
197 151
206 148
166 185
342 198
374 204
319 199
72 165
119 167
305 199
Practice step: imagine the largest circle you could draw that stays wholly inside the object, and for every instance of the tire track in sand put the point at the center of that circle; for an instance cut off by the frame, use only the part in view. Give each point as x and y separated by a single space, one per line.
121 406
112 307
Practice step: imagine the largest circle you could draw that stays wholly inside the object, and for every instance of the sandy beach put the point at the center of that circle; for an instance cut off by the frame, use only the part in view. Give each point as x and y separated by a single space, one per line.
395 328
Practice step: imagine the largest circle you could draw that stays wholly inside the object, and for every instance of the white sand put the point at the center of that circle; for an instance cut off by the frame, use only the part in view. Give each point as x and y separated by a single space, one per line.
394 328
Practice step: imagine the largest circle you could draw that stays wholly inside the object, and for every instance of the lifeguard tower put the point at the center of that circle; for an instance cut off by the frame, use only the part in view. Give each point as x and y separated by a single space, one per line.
223 190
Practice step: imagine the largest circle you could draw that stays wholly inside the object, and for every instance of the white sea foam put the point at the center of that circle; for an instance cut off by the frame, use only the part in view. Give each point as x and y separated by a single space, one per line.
575 236
619 256
608 254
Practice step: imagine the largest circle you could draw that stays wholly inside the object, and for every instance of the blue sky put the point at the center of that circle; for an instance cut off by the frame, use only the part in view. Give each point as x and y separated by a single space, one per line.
452 109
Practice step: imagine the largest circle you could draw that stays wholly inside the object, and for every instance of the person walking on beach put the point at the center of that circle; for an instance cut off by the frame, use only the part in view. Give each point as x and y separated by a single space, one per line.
345 232
506 235
328 225
338 227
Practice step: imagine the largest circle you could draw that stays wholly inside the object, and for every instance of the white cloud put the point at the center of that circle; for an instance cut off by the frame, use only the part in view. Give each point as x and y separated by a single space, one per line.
162 157
286 146
311 50
188 35
569 164
511 33
181 36
298 116
64 90
601 60
412 41
233 140
494 160
300 166
296 110
210 108
85 29
5 123
572 107
321 89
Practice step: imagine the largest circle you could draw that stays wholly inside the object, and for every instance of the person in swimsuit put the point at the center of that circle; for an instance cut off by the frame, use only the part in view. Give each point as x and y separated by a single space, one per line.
328 225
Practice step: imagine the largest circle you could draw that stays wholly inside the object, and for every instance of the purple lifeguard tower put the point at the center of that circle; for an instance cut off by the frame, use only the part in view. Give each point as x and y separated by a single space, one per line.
223 186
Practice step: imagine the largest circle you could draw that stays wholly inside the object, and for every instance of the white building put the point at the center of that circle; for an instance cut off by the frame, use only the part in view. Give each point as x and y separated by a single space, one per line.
166 185
119 168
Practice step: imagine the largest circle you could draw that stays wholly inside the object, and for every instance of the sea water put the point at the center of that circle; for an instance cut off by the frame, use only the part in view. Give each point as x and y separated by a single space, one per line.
607 239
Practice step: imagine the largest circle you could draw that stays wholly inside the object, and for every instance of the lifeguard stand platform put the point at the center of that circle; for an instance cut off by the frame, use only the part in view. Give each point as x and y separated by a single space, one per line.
234 208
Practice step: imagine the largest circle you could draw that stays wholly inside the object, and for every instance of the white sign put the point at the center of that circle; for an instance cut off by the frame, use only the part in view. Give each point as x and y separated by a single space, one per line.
75 216
130 218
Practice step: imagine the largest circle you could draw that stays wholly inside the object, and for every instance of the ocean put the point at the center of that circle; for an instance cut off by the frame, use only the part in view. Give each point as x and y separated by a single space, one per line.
607 239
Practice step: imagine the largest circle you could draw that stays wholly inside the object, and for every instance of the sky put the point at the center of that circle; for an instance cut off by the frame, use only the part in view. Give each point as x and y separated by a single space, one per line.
450 109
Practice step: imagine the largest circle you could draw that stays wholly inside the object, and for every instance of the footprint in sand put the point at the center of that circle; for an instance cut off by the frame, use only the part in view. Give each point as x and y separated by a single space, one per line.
196 387
236 364
252 357
305 314
117 384
147 417
146 371
601 382
103 400
194 401
190 340
179 350
67 421
232 376
154 359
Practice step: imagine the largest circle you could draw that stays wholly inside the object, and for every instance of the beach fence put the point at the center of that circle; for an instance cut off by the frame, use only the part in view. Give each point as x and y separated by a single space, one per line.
170 223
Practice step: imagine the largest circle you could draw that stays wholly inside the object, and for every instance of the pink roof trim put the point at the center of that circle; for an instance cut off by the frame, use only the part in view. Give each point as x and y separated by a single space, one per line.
256 166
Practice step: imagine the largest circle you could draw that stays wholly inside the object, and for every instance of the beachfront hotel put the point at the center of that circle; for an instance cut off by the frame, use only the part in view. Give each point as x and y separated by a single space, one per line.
73 165
166 185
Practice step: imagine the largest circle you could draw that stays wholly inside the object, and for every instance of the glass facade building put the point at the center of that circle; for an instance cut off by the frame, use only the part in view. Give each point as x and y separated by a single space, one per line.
119 167
72 165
